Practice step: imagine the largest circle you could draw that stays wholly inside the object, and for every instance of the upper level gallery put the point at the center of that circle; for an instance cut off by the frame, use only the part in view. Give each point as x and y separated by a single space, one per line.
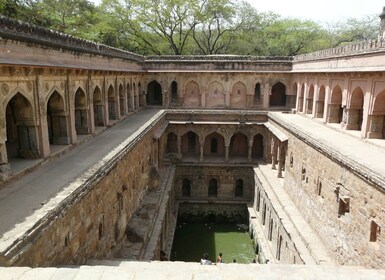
57 89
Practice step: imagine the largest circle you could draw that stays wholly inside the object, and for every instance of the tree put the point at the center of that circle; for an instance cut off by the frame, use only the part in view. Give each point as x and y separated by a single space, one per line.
73 17
353 30
216 27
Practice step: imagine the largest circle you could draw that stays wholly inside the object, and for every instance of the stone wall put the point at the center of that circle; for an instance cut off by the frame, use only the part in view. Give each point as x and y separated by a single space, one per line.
213 212
225 176
92 220
270 229
337 200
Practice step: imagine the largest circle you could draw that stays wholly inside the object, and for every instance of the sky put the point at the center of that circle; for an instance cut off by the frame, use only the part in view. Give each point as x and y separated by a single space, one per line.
321 11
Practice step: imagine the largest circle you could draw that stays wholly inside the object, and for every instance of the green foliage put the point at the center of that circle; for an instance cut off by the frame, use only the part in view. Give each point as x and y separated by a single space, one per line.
167 27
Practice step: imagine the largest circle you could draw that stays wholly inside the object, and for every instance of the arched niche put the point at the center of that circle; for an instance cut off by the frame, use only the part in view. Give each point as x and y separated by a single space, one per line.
57 120
278 95
335 106
154 94
81 112
192 95
239 145
98 105
22 134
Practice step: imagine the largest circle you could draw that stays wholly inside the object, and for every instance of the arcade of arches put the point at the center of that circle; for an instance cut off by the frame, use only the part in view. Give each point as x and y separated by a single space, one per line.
227 130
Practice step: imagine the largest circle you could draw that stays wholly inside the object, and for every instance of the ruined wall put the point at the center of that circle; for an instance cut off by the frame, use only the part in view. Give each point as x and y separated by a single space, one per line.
226 177
345 209
90 222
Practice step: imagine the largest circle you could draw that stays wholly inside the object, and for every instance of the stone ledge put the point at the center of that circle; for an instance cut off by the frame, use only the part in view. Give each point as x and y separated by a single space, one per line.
182 270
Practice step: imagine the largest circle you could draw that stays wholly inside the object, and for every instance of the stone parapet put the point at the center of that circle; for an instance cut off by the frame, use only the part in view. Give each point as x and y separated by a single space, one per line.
361 48
26 32
218 63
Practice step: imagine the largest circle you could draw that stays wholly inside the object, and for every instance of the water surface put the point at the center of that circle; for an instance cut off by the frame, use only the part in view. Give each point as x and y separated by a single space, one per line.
192 240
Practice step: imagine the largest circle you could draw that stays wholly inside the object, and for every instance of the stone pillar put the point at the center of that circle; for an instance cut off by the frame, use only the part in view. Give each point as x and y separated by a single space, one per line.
353 119
280 160
179 144
43 130
90 104
105 96
249 158
273 153
201 153
227 148
326 104
5 169
70 112
266 95
376 126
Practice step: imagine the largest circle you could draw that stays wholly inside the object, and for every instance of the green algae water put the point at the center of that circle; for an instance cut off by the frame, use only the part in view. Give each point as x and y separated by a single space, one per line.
192 240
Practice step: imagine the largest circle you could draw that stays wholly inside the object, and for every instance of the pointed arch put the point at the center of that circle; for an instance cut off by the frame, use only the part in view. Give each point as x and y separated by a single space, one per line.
172 143
213 188
192 95
239 145
98 105
356 110
81 112
320 102
309 100
190 143
174 92
238 190
278 95
214 144
377 117
21 129
335 106
238 98
154 94
215 97
258 147
257 93
112 103
57 120
186 187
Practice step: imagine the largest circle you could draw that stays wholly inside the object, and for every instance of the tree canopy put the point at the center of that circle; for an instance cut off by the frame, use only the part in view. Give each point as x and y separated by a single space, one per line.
179 27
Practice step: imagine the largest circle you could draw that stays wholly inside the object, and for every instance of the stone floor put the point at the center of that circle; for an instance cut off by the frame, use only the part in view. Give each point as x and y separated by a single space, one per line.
115 270
366 156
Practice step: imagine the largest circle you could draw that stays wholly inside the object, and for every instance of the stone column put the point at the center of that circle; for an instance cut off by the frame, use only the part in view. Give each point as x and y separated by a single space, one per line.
353 119
70 112
273 153
90 102
279 157
326 104
201 153
249 158
376 125
227 148
179 144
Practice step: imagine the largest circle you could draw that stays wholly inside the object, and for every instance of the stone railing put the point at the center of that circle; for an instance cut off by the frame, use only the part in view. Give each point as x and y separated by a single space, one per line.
244 58
22 31
348 50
